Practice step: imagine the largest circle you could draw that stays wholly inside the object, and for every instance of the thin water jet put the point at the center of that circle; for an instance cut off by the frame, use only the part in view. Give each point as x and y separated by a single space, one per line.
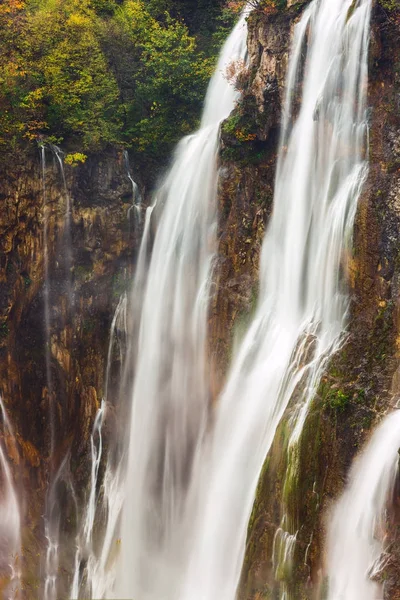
10 514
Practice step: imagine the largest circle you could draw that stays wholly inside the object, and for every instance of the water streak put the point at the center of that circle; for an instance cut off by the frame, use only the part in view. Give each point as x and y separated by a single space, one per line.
67 253
46 293
92 570
136 197
59 476
51 529
10 513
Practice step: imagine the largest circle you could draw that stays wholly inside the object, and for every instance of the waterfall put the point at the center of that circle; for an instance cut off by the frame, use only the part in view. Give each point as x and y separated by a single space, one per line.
90 568
302 305
171 394
51 525
46 292
136 197
67 254
358 526
59 476
10 513
101 561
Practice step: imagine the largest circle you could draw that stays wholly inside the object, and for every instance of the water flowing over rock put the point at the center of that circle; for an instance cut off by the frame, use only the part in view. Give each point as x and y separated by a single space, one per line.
10 511
171 391
302 301
357 536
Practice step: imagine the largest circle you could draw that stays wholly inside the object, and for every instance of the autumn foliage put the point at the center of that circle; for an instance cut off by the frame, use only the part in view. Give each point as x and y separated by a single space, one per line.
89 73
265 6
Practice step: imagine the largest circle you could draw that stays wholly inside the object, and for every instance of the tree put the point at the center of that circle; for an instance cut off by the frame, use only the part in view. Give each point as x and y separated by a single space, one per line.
94 72
163 99
76 93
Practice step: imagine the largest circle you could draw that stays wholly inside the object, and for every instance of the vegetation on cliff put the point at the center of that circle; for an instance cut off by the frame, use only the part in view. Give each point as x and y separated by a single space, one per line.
93 72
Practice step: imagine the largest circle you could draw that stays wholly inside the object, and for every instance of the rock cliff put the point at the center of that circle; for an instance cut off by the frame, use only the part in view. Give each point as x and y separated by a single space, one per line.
85 228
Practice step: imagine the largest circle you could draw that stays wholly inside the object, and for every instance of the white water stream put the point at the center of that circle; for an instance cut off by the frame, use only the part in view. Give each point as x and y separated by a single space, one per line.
51 522
358 525
67 253
59 478
171 391
92 570
136 197
10 513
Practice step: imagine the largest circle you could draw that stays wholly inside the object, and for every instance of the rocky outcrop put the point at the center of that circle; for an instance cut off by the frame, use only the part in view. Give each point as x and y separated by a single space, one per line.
362 380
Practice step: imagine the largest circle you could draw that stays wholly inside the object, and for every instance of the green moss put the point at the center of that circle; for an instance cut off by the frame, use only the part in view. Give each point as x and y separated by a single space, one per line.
83 272
89 325
240 127
390 5
4 330
119 285
338 400
26 279
247 135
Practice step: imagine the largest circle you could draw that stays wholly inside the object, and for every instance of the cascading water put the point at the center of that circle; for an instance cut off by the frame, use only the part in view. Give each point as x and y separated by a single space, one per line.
67 235
10 514
171 394
136 197
302 306
357 528
51 525
46 292
92 576
59 476
185 482
100 572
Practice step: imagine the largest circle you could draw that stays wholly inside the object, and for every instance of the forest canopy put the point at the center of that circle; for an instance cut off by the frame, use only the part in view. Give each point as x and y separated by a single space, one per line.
88 73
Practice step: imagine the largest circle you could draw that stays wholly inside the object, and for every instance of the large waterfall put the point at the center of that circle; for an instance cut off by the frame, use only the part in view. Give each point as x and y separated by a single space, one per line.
171 473
171 394
189 490
302 304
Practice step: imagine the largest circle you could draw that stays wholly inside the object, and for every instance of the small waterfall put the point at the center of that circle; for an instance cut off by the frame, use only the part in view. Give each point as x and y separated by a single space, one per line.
67 253
10 514
84 548
118 339
91 571
171 392
358 526
46 291
302 306
51 526
136 197
59 477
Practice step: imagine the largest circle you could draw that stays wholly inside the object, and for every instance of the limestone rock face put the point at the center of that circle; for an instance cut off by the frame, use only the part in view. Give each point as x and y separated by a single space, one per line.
366 371
89 265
